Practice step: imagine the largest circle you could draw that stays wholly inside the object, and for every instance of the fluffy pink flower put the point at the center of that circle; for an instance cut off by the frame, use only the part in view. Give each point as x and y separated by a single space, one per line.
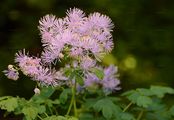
101 21
49 55
75 18
75 52
108 46
90 80
47 23
87 63
11 73
45 76
110 81
28 65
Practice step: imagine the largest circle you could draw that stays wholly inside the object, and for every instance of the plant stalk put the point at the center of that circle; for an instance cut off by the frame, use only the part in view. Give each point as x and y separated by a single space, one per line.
39 117
73 101
75 107
124 110
140 115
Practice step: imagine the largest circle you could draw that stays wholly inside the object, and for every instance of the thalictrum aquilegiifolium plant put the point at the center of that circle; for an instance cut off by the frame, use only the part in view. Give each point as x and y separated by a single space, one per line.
85 87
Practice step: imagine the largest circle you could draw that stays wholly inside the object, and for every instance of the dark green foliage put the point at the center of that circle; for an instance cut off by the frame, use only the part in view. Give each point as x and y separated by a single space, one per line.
144 97
160 91
107 107
59 118
144 103
64 95
8 103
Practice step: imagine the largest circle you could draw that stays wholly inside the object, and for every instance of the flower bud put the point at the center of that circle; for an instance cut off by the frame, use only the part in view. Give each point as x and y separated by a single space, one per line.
10 67
37 91
61 55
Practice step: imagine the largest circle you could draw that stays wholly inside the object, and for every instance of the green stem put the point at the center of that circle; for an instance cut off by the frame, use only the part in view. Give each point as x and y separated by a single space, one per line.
50 110
75 107
73 101
70 106
46 114
55 110
124 110
140 115
39 117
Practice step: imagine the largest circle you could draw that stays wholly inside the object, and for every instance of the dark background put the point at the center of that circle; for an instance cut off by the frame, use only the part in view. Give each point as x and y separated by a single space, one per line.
143 37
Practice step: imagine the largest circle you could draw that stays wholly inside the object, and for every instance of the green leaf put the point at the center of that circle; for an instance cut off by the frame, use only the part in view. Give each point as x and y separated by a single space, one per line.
79 79
132 95
45 93
138 97
90 103
163 114
99 73
107 113
4 97
55 118
67 72
157 105
144 101
107 107
41 109
59 118
160 91
144 92
127 93
78 73
126 116
86 116
64 95
50 102
30 112
143 97
172 110
72 118
9 103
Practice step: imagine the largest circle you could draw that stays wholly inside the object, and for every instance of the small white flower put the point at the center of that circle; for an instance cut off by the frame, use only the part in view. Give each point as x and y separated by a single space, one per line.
37 91
10 67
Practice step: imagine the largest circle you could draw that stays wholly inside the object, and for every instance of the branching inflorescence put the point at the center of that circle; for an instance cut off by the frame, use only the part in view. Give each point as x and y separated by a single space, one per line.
81 39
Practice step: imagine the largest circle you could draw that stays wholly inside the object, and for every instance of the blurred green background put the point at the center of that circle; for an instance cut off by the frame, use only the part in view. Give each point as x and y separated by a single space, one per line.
143 37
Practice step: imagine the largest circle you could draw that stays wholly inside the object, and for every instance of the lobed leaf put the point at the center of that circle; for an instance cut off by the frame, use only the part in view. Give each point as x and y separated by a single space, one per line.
107 107
126 116
144 101
160 91
53 117
172 110
64 95
143 97
30 112
9 103
86 116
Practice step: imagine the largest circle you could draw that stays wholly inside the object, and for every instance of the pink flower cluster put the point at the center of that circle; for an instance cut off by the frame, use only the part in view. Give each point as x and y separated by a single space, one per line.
82 39
77 35
32 67
109 82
